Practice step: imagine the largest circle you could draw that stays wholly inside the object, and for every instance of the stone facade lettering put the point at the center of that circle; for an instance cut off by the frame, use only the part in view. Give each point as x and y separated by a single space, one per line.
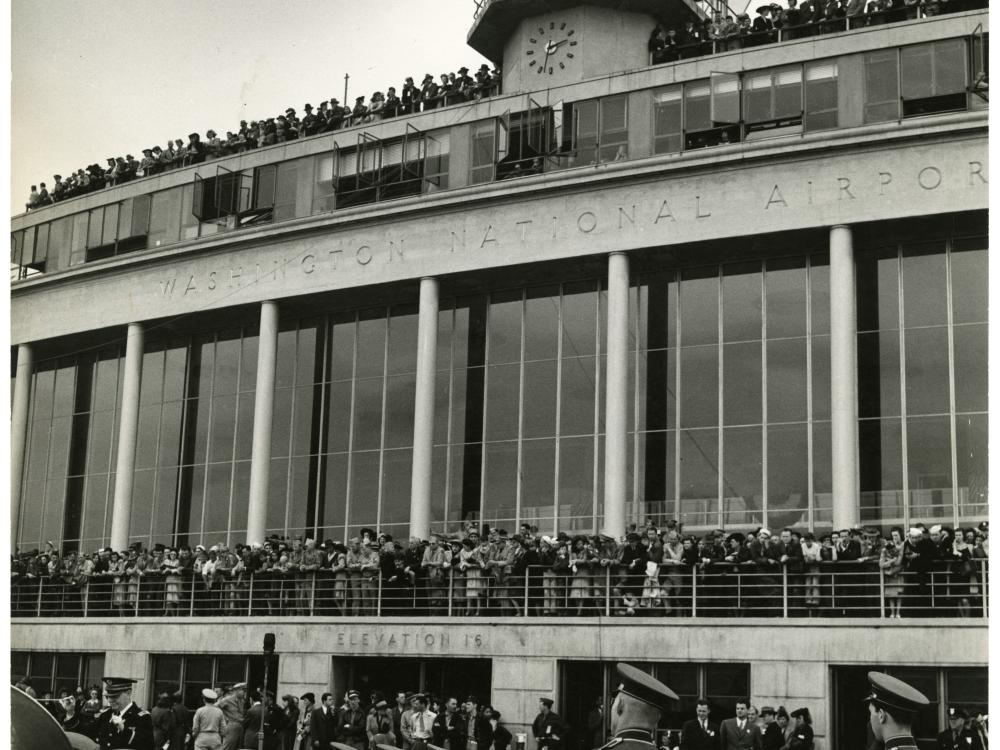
929 178
405 640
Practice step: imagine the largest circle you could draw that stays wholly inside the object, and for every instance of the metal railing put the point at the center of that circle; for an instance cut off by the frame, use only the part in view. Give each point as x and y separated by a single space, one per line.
834 589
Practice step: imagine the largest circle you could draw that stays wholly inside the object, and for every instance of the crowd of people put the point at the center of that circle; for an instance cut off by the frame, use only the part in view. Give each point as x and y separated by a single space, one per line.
229 719
772 23
431 93
652 572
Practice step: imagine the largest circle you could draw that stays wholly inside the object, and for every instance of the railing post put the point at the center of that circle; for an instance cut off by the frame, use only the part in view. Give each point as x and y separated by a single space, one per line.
982 587
526 579
38 609
138 593
881 593
250 595
739 589
378 597
451 591
194 585
312 593
784 591
933 604
86 596
607 591
694 590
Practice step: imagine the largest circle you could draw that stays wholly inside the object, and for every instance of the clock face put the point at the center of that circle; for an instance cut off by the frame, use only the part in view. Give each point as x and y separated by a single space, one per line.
551 47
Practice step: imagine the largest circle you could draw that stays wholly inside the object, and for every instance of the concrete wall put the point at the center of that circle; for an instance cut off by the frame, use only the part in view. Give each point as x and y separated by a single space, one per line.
789 662
732 191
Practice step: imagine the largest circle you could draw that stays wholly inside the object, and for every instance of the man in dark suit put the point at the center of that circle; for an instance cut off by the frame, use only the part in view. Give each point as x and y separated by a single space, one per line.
773 738
740 733
352 722
323 724
595 725
500 735
548 727
700 733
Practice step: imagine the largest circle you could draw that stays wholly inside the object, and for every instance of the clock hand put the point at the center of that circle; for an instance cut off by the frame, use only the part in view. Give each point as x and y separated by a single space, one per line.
557 45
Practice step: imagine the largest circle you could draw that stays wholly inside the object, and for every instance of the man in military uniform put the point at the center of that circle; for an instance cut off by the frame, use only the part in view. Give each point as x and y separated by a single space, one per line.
958 735
637 709
892 707
233 707
123 724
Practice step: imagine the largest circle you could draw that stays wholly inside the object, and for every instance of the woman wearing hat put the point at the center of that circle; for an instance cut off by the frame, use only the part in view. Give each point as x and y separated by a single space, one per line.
470 561
801 737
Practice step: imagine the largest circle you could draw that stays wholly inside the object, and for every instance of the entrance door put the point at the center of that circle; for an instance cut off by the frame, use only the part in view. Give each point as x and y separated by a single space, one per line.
440 678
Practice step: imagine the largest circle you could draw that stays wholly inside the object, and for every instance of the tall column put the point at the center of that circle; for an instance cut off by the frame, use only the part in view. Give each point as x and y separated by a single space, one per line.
263 416
128 430
843 378
616 397
423 411
19 431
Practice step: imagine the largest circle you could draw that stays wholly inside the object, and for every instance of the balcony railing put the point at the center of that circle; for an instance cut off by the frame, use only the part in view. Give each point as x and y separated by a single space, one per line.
835 589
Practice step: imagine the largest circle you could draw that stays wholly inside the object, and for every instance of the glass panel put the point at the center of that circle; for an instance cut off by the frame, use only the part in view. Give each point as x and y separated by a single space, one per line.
925 283
500 482
505 327
541 323
878 374
396 475
822 474
371 343
227 360
821 377
699 386
742 478
502 402
971 443
364 489
880 466
338 431
786 380
305 414
699 306
96 228
367 420
741 384
881 86
223 428
539 399
699 480
399 404
164 218
821 93
928 453
927 371
538 465
969 275
334 503
402 355
786 286
741 302
877 289
576 479
579 319
787 475
660 388
971 357
667 129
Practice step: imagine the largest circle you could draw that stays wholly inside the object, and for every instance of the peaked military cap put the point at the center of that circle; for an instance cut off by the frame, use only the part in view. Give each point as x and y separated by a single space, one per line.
116 685
644 687
892 693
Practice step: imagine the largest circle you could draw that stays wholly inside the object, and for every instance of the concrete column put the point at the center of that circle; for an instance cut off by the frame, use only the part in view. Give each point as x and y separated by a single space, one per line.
19 431
423 411
843 379
263 416
616 397
128 431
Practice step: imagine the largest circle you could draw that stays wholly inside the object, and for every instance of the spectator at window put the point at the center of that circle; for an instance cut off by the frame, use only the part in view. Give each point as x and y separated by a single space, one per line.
310 123
410 98
656 43
762 25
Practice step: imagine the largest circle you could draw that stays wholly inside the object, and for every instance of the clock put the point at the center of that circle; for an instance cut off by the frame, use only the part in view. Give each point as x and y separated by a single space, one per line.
550 48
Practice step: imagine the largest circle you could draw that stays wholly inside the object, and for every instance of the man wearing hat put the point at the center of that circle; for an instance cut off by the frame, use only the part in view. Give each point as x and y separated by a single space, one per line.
379 726
233 707
637 708
958 736
892 707
429 92
123 724
208 724
548 727
772 737
351 722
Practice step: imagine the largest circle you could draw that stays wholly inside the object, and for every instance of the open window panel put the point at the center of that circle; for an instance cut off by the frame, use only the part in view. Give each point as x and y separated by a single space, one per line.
979 85
772 101
403 165
934 77
435 163
724 108
528 140
358 172
560 146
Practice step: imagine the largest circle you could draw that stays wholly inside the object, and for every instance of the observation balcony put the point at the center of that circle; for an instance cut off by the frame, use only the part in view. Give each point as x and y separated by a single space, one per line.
718 590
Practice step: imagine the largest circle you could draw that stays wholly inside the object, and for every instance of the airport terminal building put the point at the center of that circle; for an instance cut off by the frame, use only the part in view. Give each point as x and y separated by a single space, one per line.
746 288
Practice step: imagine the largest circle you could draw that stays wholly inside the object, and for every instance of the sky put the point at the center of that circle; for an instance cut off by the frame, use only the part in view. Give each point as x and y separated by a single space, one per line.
91 79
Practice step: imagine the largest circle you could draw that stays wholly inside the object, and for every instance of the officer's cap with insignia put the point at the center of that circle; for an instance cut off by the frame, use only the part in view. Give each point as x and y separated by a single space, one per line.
644 687
893 694
117 685
954 712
